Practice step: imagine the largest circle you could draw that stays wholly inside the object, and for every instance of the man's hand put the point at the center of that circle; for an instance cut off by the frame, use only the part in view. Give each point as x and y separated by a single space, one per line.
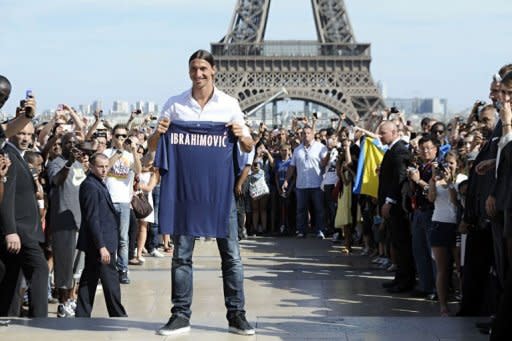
237 128
485 166
5 162
285 186
463 227
13 243
414 175
490 206
385 211
163 125
104 255
238 190
30 107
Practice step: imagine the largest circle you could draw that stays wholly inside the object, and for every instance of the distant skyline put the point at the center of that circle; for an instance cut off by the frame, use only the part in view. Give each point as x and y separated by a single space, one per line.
79 51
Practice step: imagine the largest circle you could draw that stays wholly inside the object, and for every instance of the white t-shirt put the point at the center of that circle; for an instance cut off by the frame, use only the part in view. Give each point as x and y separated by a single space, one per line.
307 163
120 177
330 176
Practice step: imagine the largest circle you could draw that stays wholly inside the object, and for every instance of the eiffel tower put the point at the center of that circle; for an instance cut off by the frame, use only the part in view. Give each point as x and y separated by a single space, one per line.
333 71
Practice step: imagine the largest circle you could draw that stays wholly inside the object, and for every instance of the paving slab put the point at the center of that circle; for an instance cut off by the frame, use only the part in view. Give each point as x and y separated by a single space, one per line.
296 289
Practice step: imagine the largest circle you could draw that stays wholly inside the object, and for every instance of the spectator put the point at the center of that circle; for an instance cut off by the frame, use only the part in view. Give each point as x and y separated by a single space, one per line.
98 238
125 164
308 159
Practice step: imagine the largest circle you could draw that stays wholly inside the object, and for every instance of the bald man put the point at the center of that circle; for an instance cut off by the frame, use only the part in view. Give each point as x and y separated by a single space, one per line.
392 179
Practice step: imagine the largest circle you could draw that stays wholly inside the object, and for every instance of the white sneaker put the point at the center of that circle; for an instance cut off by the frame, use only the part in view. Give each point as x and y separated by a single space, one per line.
335 236
72 304
157 254
320 235
65 310
282 228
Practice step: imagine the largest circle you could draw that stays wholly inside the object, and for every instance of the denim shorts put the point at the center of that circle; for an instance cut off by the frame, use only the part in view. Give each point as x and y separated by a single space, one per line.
443 234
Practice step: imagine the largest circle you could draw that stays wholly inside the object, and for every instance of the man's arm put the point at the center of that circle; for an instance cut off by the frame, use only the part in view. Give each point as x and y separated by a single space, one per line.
89 201
162 127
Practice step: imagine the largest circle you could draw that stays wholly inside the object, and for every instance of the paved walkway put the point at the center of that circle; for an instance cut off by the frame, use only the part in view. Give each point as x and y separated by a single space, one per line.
296 289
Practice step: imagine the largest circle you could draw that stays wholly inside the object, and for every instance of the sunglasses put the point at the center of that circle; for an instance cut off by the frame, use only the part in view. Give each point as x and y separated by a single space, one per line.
121 135
439 132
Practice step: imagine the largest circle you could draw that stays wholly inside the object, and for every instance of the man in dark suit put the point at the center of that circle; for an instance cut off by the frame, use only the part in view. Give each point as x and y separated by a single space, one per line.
20 226
98 238
392 179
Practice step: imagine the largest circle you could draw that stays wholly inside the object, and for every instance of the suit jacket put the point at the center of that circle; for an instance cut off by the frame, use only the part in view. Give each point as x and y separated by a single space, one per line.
393 173
100 220
19 211
503 186
480 186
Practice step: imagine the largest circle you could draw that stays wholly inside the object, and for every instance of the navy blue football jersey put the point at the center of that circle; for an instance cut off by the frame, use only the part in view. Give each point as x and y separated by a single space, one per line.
197 178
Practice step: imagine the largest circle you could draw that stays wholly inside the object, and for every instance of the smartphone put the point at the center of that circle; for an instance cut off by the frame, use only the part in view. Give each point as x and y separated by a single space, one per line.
28 94
66 128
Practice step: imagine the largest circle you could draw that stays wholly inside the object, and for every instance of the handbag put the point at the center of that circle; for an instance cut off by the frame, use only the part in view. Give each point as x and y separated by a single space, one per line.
140 205
258 188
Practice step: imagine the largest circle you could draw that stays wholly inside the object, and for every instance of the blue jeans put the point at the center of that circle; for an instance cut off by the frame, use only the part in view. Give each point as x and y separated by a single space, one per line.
123 208
232 271
421 248
153 239
315 197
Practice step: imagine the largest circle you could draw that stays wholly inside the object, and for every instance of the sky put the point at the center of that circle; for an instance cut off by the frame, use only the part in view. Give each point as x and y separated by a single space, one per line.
78 51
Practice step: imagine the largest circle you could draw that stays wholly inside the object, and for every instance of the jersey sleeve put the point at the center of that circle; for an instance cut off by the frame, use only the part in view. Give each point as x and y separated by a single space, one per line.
162 154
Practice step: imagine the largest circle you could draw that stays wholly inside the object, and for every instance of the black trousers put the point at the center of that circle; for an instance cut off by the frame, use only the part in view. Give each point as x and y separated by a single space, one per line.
475 274
401 241
32 262
109 277
502 324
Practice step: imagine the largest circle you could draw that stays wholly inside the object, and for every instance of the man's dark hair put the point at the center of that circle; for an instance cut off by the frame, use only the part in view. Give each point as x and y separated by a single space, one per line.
30 156
202 54
5 90
425 120
436 127
428 138
120 126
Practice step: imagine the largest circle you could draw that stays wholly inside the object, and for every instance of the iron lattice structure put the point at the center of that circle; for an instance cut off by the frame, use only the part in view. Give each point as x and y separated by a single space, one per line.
333 71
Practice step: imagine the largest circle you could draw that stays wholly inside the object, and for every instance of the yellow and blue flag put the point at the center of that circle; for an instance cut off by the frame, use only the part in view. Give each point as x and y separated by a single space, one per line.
370 158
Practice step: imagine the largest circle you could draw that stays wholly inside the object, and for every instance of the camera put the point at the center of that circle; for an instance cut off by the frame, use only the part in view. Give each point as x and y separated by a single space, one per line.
138 112
441 169
394 110
315 115
128 141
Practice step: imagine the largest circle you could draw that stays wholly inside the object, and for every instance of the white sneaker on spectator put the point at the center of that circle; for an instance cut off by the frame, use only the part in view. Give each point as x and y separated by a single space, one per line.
282 228
335 236
320 235
392 268
300 235
157 254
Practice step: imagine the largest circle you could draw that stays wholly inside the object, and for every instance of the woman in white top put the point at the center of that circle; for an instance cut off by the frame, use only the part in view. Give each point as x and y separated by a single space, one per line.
442 192
148 179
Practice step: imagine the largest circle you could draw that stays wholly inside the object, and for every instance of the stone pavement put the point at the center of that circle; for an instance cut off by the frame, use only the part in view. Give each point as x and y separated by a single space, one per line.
296 289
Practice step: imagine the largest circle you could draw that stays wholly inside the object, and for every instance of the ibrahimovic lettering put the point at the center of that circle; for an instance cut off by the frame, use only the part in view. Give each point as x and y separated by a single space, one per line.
200 140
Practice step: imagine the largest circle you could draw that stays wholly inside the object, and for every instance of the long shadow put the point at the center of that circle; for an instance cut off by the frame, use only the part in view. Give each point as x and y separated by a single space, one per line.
334 283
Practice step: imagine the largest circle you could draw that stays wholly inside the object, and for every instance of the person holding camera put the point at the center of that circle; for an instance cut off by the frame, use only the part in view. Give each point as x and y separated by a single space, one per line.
65 174
442 193
422 215
124 164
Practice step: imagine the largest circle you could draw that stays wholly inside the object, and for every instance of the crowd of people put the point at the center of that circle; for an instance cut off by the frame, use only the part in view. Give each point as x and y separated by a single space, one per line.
440 221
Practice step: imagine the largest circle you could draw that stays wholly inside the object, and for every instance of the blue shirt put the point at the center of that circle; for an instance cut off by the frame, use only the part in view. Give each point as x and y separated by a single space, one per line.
281 169
197 178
